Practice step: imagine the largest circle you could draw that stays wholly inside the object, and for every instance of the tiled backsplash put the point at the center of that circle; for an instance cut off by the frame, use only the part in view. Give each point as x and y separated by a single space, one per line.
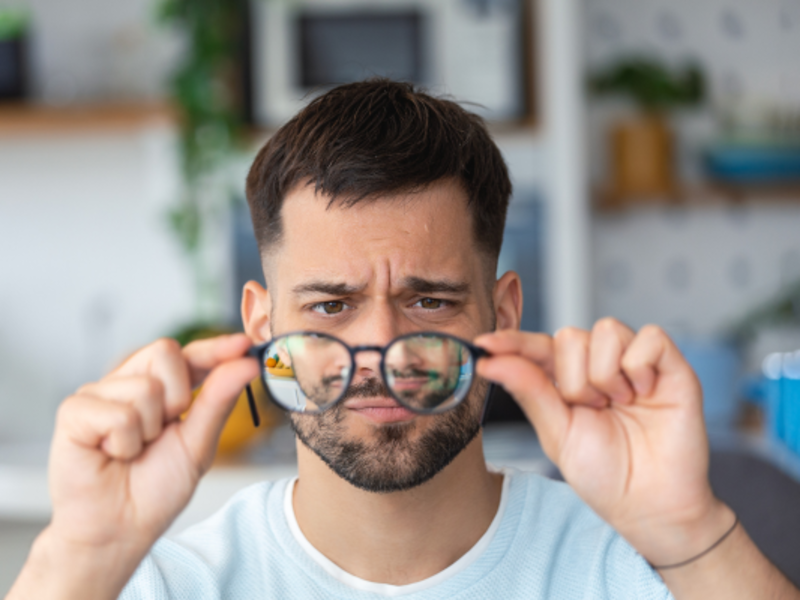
749 48
693 270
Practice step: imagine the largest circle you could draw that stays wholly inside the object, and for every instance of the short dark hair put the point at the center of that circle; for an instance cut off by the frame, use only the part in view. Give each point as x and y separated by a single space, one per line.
364 140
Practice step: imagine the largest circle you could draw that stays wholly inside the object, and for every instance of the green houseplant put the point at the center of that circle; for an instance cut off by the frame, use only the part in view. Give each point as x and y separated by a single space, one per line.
641 146
14 25
208 92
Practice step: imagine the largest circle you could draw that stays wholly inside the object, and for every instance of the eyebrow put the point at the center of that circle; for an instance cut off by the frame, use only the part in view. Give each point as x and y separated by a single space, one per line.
435 286
415 284
329 288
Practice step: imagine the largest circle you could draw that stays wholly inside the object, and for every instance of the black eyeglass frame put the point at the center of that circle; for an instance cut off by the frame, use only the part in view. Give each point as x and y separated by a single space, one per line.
258 352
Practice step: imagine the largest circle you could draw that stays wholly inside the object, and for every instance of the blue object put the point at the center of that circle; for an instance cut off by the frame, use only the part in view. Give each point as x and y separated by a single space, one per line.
754 164
791 412
781 383
717 365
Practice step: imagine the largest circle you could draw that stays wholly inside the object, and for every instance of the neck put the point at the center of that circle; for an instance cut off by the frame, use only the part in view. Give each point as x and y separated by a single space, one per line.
401 537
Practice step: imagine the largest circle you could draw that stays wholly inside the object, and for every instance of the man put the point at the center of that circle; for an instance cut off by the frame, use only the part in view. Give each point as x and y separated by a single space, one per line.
379 212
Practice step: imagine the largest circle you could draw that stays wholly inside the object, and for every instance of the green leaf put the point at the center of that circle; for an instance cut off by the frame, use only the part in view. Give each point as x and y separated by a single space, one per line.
13 23
650 84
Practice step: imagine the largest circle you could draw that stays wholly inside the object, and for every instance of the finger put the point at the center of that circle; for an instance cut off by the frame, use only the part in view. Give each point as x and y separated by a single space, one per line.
144 393
113 427
534 392
203 424
537 347
571 351
163 360
609 340
203 355
650 355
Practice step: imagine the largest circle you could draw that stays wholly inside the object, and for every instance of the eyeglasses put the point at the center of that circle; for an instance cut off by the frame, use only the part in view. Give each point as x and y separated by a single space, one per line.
307 372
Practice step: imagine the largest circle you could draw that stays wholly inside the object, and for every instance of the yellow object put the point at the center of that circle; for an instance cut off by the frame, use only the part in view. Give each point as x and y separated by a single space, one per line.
239 430
642 159
281 370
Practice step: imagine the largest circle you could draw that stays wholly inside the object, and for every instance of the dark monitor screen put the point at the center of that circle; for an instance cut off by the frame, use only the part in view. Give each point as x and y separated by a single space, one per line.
341 48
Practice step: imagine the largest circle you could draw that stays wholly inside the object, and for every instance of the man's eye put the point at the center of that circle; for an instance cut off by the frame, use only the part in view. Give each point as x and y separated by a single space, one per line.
329 308
431 303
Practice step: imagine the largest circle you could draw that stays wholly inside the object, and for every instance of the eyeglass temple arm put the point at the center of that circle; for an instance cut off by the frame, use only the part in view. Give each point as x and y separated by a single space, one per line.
251 401
480 352
255 352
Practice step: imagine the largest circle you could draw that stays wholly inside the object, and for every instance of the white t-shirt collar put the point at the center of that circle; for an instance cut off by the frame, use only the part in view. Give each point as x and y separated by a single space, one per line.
386 589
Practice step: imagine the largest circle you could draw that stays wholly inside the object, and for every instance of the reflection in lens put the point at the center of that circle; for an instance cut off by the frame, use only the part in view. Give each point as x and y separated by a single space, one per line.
428 372
306 372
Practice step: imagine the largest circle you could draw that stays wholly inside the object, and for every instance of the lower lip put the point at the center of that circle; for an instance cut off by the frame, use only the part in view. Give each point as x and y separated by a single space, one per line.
386 414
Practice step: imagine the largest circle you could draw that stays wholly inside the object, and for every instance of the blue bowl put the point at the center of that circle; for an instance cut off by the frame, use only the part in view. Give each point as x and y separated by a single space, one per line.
754 164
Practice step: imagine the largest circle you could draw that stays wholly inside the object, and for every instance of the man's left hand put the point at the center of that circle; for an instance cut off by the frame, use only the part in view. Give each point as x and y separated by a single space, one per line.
620 414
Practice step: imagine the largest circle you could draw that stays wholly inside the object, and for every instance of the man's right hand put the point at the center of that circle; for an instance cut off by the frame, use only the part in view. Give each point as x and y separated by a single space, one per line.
124 463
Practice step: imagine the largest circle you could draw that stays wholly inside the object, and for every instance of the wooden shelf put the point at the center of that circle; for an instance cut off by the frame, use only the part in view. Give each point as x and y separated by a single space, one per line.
701 195
33 120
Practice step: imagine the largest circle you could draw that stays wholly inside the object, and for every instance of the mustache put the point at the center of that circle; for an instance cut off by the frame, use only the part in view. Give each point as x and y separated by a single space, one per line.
413 373
369 388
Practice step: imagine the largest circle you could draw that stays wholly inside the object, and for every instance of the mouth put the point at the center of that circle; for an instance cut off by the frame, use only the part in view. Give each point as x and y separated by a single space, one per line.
379 410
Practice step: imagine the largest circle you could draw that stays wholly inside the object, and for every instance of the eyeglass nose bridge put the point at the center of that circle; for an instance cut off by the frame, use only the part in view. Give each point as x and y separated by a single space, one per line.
356 350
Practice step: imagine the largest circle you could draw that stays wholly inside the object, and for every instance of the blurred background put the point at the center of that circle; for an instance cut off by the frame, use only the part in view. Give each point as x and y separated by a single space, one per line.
654 147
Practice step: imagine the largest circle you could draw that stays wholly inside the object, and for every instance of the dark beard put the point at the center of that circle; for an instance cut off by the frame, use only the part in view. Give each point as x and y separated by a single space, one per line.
390 462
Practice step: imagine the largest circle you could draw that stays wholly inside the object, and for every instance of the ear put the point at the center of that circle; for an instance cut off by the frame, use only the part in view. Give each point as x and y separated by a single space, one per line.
507 298
256 310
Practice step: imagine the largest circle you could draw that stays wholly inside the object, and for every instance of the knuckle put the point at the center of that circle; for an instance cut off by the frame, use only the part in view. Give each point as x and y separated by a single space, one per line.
127 417
86 388
652 331
632 362
166 346
607 325
152 388
602 377
569 335
65 409
572 390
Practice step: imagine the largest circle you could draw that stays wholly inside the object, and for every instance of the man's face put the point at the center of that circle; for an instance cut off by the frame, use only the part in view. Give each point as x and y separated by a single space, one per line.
367 274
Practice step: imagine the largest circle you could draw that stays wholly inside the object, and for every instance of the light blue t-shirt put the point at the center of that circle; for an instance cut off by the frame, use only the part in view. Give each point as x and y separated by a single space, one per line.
543 543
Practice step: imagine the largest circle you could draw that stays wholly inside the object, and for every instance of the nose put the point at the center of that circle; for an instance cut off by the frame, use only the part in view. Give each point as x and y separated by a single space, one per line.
377 326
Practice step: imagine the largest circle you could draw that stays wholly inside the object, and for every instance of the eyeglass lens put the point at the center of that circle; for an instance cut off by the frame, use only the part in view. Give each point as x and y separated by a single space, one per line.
427 373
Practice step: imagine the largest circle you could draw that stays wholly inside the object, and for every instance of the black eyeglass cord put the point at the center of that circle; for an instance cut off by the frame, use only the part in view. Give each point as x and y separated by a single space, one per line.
703 553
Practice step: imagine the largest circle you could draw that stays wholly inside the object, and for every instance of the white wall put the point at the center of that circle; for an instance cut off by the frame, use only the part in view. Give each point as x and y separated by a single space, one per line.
90 49
89 269
695 271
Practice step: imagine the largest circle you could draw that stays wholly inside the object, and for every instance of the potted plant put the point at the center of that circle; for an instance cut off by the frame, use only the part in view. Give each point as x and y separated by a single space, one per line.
641 146
208 91
14 26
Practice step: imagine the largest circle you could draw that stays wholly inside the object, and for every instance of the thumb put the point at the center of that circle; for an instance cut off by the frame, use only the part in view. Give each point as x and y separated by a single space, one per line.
203 425
536 395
